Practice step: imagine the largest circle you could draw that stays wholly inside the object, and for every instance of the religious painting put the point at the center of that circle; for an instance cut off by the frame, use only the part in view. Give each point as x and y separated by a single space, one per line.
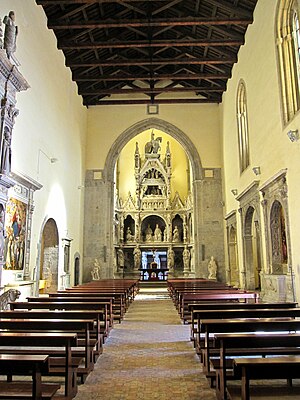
15 229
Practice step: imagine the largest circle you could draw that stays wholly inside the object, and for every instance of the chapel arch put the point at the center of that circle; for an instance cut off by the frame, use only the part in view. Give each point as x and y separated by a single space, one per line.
196 174
252 249
49 256
153 123
278 238
233 258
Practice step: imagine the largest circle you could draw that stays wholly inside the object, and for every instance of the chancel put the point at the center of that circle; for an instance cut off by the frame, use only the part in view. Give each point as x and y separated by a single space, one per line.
149 179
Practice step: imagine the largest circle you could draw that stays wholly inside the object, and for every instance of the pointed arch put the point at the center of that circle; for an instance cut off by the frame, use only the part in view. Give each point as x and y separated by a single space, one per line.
162 125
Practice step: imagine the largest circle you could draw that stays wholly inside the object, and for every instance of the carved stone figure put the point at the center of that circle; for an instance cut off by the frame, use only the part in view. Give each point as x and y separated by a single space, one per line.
176 237
212 268
149 236
157 234
153 146
1 34
95 272
2 233
186 258
171 259
121 260
10 33
6 151
144 260
156 259
137 257
129 235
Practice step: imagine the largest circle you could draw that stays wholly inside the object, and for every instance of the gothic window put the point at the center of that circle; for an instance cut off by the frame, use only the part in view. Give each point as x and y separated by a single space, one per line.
242 122
288 51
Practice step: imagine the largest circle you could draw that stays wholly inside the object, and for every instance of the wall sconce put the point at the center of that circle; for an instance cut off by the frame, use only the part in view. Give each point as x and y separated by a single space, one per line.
293 135
234 192
256 170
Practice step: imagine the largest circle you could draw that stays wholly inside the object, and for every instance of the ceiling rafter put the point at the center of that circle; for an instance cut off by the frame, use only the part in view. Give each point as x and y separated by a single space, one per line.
171 61
145 23
149 51
67 44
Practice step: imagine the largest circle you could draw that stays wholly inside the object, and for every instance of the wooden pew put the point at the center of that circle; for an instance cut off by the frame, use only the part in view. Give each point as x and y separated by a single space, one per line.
119 298
195 309
34 365
261 344
240 312
97 316
222 296
78 299
265 368
218 326
66 325
49 341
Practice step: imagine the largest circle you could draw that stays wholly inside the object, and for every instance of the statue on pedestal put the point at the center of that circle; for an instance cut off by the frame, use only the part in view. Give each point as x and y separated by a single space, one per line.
95 272
10 34
1 34
176 237
148 232
121 260
212 268
171 259
129 235
137 257
6 151
157 234
186 259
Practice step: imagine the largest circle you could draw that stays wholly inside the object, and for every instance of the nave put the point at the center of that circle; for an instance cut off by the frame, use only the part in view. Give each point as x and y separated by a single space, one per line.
148 356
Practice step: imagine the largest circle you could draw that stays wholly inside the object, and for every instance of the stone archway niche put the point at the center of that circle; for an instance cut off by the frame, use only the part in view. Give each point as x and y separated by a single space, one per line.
49 257
100 223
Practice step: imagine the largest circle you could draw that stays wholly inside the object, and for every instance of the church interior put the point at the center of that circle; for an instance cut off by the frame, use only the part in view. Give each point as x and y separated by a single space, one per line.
153 142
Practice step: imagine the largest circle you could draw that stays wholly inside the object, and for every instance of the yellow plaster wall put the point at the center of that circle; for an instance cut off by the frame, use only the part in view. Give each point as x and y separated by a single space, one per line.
51 123
179 161
199 122
270 147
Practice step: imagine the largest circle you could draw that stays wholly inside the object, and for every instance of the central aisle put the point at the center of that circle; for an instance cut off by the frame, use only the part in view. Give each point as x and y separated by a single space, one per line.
148 356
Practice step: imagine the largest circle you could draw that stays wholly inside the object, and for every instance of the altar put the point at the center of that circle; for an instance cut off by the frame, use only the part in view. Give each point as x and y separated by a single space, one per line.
154 274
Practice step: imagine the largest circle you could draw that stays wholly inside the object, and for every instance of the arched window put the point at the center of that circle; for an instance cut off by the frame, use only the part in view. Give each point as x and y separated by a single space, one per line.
288 50
242 122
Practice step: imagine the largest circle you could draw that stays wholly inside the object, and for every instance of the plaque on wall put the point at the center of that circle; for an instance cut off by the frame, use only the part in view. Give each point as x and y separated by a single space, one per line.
15 227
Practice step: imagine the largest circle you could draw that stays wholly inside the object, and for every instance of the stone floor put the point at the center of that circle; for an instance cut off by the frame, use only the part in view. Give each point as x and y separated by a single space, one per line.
149 356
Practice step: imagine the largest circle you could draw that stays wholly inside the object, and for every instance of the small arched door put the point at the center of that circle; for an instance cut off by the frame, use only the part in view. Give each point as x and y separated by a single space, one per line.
49 256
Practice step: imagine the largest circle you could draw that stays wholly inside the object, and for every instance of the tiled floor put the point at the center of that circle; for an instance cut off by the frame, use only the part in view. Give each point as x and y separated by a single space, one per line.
148 356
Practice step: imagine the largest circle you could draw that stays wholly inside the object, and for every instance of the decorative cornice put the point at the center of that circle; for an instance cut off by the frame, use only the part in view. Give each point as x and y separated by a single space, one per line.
248 189
230 215
280 174
25 180
11 73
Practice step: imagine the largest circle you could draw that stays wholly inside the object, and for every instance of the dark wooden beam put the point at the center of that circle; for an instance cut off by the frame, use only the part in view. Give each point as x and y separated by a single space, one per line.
59 2
229 7
69 45
54 24
142 62
182 77
157 101
105 92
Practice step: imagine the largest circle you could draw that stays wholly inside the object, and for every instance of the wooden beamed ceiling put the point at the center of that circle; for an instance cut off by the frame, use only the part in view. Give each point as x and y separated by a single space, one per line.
149 52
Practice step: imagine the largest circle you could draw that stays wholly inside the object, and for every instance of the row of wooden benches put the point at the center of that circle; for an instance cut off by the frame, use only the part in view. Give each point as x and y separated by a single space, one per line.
244 341
58 336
